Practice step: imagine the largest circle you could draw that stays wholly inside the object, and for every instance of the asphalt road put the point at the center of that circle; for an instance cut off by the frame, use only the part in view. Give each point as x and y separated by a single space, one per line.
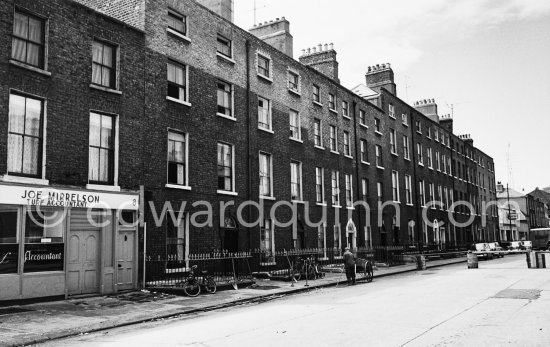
502 303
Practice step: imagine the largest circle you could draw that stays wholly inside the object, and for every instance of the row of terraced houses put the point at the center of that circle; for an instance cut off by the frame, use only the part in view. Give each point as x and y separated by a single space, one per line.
136 107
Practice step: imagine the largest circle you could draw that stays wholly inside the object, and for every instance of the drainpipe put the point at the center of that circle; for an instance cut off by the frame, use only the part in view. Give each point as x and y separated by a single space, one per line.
412 149
357 164
248 141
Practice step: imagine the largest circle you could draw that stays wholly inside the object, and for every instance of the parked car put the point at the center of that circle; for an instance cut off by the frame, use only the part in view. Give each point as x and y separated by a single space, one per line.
526 245
495 247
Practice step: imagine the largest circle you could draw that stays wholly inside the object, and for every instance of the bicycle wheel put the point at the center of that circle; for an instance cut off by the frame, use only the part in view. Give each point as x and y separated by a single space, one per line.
210 285
369 274
310 272
296 273
319 271
191 287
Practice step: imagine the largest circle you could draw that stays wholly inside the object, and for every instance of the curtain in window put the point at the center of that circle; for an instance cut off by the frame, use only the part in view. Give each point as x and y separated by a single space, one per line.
265 189
20 30
34 49
97 53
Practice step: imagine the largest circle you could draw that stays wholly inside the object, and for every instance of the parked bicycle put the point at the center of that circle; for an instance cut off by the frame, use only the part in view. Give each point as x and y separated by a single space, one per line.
192 285
306 268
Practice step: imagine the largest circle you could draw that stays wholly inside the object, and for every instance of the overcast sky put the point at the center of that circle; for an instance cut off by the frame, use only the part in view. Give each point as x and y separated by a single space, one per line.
488 58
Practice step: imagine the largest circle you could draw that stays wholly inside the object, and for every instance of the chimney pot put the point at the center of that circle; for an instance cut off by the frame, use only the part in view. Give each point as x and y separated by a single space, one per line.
313 50
303 52
331 46
326 46
320 47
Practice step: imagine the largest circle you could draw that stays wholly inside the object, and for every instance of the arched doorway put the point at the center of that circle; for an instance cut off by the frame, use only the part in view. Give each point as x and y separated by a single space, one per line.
351 235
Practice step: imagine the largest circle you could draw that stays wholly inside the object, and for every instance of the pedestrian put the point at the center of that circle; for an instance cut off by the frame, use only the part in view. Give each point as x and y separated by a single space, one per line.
349 265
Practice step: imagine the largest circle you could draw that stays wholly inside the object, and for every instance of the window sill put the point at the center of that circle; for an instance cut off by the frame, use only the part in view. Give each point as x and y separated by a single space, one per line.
27 180
266 130
225 58
334 152
350 208
296 140
431 168
178 101
405 124
295 92
319 147
30 68
420 164
378 133
409 204
408 159
178 35
103 188
380 167
302 202
272 198
346 117
105 89
333 110
317 103
348 156
336 206
365 162
226 116
392 117
394 154
177 186
322 204
364 125
225 192
265 78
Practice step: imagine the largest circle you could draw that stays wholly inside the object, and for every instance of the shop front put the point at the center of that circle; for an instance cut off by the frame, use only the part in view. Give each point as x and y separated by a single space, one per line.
61 242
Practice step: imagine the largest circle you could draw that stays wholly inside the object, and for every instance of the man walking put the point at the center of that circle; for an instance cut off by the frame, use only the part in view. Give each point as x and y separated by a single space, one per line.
349 265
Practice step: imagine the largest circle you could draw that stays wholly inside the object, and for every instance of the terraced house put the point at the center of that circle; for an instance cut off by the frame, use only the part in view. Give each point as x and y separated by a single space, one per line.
101 100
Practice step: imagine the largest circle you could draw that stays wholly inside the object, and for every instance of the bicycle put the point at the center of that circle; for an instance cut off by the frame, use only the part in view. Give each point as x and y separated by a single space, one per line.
192 285
306 267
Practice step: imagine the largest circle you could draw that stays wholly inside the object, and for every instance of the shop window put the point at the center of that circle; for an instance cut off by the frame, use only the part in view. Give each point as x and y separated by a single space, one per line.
9 242
44 245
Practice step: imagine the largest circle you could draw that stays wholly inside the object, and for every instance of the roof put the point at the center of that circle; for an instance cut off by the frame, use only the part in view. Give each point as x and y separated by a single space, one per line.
131 12
542 195
513 194
363 91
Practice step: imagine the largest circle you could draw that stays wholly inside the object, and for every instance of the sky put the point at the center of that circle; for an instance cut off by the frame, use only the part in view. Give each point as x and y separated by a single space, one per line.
485 61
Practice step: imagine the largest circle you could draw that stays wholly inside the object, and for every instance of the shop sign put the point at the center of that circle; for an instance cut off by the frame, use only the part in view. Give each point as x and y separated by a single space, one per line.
43 257
47 197
9 255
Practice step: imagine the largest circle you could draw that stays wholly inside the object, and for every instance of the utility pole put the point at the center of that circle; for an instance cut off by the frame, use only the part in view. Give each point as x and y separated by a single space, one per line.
509 210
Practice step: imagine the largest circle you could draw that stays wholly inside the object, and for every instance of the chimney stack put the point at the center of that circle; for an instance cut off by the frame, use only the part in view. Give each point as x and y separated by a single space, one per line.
381 76
276 33
446 121
224 8
500 187
323 59
427 107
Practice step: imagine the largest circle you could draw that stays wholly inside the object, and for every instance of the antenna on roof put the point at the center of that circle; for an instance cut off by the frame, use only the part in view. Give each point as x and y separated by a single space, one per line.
256 10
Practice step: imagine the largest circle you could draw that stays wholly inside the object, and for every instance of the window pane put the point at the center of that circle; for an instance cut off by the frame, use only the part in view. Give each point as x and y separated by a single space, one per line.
105 76
106 132
93 163
15 150
32 123
107 56
95 129
8 224
104 163
17 114
97 52
96 73
19 49
35 30
30 155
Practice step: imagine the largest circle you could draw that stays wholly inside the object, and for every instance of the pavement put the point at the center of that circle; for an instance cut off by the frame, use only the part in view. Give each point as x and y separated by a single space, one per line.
41 322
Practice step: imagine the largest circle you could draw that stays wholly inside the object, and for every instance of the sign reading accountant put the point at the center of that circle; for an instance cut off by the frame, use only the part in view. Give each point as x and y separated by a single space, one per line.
46 197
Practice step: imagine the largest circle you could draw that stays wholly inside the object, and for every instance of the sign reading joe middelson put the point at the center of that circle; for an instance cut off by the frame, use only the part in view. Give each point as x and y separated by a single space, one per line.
48 197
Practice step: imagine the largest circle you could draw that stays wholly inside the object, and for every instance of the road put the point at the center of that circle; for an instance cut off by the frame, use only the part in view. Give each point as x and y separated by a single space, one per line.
502 303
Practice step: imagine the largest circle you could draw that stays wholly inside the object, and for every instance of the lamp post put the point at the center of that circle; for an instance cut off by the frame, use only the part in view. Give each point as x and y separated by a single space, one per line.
509 210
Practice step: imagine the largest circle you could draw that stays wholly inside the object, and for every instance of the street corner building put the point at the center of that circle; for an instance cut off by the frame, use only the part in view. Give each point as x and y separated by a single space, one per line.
98 99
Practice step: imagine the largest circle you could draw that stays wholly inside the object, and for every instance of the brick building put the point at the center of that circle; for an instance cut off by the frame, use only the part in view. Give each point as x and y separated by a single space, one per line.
204 112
